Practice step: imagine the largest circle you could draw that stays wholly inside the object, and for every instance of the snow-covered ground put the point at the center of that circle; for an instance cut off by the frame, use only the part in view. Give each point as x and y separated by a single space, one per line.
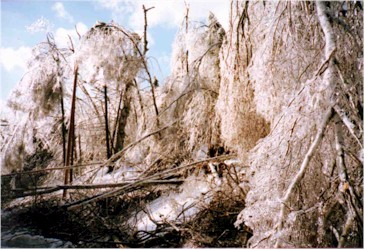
176 205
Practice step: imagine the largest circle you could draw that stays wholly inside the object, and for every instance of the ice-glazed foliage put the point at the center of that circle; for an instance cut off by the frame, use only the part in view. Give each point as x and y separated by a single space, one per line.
191 91
109 55
292 87
36 106
39 91
241 123
280 91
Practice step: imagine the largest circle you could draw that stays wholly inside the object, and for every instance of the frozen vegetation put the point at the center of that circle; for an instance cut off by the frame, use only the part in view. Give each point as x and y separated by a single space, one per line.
254 140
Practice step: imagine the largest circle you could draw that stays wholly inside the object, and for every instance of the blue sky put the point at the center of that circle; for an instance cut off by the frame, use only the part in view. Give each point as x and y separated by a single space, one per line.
25 23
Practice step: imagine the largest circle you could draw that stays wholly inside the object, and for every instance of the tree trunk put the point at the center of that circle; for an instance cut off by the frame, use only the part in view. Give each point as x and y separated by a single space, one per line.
108 153
63 126
71 130
113 141
124 113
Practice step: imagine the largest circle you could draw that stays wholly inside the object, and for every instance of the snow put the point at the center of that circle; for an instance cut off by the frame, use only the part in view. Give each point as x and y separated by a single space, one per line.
122 173
176 205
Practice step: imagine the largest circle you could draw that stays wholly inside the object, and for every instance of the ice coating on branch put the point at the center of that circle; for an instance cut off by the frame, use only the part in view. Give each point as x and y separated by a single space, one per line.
108 54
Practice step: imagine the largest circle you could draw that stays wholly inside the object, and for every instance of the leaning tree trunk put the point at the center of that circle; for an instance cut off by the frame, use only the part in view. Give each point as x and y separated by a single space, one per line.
71 133
63 125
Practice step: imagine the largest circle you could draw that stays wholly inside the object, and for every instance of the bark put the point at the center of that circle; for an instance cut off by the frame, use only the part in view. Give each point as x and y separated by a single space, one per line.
113 141
145 41
63 125
123 120
108 152
140 104
71 130
330 47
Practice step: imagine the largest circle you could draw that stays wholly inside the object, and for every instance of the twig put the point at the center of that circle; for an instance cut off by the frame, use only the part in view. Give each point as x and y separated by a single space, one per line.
221 157
298 177
120 153
186 93
325 64
261 240
77 32
145 67
82 87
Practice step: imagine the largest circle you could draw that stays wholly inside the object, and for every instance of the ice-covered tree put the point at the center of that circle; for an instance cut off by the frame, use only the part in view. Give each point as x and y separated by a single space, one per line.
38 123
108 61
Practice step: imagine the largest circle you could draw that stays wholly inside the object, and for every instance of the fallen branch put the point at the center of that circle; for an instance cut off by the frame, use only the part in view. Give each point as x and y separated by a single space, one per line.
158 176
50 169
221 157
47 190
299 176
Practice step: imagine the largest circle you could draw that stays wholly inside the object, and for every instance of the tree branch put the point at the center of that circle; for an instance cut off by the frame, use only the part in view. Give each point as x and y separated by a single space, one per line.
50 169
120 153
299 176
47 190
145 42
349 125
158 176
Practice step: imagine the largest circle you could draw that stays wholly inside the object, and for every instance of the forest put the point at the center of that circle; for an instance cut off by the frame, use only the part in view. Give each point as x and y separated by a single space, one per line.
254 140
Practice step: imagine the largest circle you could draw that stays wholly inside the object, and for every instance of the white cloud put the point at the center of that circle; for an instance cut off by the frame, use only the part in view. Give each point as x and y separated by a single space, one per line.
61 12
169 14
166 13
41 25
62 35
11 58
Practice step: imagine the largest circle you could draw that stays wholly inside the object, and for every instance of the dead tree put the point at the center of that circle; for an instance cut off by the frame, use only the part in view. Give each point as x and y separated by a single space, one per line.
119 134
108 151
71 133
145 41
